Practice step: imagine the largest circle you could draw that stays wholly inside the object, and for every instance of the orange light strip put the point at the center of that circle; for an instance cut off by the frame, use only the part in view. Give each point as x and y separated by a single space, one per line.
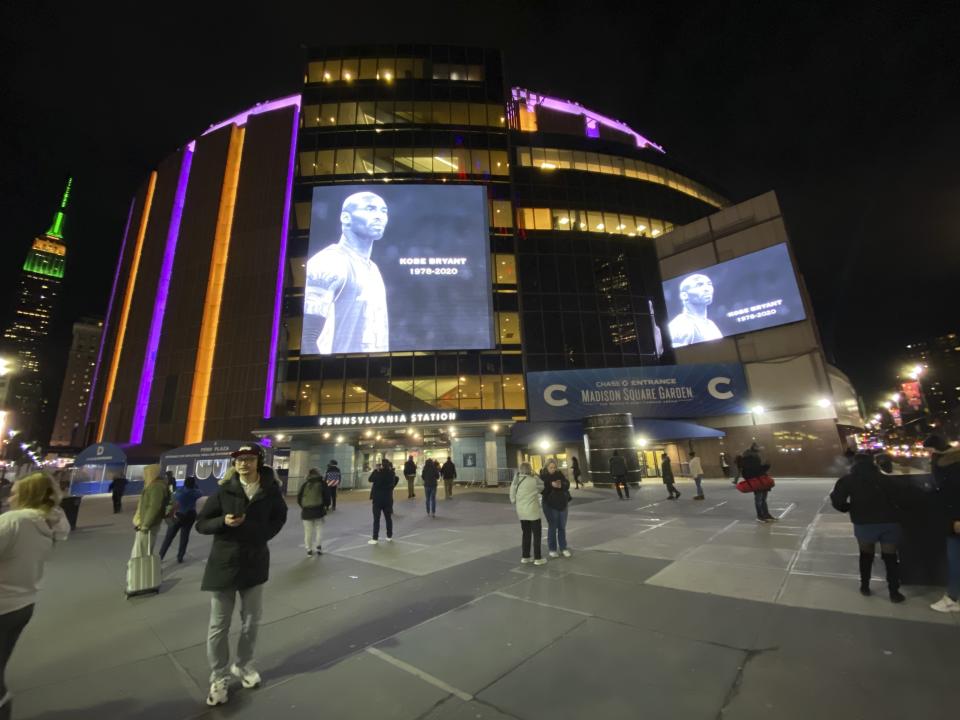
125 310
203 369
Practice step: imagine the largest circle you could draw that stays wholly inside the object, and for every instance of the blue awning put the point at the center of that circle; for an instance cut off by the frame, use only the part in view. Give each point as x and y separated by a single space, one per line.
526 433
101 454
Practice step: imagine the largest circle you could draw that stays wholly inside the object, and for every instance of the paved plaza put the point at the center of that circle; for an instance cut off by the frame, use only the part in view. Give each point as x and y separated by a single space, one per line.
666 610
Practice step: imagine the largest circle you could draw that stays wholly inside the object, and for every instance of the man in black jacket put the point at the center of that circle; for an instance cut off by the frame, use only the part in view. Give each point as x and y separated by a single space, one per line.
618 473
410 473
448 471
245 512
383 480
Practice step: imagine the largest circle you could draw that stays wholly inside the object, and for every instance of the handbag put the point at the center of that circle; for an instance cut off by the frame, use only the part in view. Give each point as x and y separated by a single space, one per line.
757 484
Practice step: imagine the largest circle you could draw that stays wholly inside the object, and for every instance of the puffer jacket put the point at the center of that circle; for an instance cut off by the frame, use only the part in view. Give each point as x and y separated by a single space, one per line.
867 494
239 557
946 471
525 494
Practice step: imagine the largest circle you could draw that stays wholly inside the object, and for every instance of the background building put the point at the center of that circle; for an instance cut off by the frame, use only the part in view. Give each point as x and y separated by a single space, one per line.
937 398
26 335
68 428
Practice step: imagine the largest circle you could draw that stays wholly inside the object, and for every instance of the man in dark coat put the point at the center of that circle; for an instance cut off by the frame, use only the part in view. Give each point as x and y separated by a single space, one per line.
313 499
245 512
666 470
618 472
410 473
448 471
117 486
383 480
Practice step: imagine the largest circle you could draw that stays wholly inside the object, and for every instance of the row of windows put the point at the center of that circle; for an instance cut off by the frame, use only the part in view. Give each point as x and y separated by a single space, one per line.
401 112
501 216
464 392
559 159
591 221
381 161
390 69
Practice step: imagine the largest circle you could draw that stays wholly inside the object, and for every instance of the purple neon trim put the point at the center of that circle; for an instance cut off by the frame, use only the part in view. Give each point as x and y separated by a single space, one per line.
278 297
106 320
160 302
240 119
532 99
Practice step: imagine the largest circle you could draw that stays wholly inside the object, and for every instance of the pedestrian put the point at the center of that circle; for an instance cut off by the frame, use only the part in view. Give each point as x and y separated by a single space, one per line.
410 474
150 509
724 465
868 495
575 469
449 473
383 480
430 475
171 482
28 534
945 464
117 486
738 463
618 473
332 476
556 498
696 470
245 512
184 516
525 494
666 470
752 466
313 499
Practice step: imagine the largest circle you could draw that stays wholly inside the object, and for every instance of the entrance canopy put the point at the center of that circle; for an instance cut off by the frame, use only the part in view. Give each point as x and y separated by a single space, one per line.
652 429
101 454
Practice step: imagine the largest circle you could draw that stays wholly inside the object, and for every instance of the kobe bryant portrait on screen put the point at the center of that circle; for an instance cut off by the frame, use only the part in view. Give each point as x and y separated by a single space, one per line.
345 301
692 325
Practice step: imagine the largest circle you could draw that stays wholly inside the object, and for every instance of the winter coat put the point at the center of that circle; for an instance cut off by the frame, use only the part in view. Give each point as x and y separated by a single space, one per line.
525 493
618 466
383 480
239 557
26 541
575 469
153 501
332 476
313 498
867 494
448 470
410 468
430 475
696 467
118 485
557 498
751 466
185 501
666 471
946 471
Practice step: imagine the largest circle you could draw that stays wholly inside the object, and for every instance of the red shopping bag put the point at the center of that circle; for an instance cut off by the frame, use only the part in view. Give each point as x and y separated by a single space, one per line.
757 484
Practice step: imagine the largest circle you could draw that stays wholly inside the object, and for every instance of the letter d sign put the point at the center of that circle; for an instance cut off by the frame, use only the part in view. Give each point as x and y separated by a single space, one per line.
713 387
550 395
99 449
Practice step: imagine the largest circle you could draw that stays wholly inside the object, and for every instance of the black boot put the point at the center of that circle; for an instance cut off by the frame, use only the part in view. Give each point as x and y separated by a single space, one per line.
893 576
866 567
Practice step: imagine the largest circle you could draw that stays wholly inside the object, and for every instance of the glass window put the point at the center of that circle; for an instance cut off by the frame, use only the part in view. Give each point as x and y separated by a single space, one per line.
366 113
363 161
355 395
422 112
298 270
643 225
347 114
461 158
441 112
386 69
331 70
564 159
551 157
492 391
331 397
311 115
349 70
368 69
595 221
383 161
538 156
303 215
469 392
480 162
384 113
314 72
579 160
478 114
309 400
459 114
656 228
403 112
458 72
308 164
294 326
561 219
506 269
344 162
513 395
324 162
474 73
328 114
508 328
542 219
528 119
496 116
441 71
611 223
422 160
443 161
418 64
593 162
499 164
523 155
405 68
501 216
525 218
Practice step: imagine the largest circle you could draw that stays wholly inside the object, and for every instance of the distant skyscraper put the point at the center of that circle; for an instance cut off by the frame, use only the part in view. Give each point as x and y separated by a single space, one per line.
68 429
27 333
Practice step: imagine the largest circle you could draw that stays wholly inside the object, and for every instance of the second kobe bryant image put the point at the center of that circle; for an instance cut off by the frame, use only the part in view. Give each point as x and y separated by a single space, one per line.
397 268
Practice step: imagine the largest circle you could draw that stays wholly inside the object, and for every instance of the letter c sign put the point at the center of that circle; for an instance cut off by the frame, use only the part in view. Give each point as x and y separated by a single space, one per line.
550 395
713 387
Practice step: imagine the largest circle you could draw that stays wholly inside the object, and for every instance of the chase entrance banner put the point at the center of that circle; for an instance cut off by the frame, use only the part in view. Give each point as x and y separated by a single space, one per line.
660 391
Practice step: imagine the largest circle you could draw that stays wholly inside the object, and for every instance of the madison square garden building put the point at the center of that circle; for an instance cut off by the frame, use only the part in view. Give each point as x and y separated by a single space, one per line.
383 263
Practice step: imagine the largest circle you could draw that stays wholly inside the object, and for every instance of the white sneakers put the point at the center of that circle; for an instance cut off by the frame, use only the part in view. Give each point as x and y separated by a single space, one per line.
371 541
946 605
553 554
541 561
219 691
566 553
525 561
248 677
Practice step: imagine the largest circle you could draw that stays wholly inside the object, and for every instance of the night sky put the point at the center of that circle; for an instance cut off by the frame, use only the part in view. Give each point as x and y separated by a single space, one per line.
850 112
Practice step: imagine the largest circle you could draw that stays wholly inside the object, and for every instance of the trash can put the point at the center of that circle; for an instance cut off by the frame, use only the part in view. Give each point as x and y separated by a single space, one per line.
923 548
71 508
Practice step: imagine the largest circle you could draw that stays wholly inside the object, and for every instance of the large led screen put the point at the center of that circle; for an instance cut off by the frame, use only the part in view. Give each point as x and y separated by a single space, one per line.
401 267
748 293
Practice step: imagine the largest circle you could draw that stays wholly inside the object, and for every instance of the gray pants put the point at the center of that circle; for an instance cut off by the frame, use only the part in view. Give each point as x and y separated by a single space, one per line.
221 613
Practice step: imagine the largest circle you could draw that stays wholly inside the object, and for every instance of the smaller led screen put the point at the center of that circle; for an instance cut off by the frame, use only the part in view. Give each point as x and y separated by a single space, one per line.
748 293
397 267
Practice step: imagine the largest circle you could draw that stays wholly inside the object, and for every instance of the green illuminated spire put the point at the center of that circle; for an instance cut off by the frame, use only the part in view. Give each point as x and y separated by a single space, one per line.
57 226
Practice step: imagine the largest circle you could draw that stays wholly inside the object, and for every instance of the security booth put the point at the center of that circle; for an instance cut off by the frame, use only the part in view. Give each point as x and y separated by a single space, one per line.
95 467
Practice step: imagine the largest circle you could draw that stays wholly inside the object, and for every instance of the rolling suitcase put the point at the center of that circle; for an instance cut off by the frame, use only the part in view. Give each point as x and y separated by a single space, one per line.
143 568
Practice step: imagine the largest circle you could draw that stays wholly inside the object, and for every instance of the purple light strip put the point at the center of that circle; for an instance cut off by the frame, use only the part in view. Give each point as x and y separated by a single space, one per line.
106 320
571 108
160 303
278 297
240 119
